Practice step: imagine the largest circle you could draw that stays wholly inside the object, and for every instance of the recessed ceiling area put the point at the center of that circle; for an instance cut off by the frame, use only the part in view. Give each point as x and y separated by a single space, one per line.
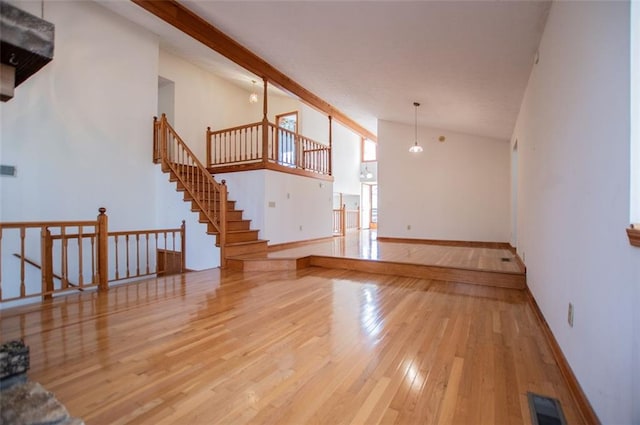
466 62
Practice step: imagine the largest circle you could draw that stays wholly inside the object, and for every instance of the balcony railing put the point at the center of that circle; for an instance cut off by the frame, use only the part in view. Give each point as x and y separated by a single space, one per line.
264 145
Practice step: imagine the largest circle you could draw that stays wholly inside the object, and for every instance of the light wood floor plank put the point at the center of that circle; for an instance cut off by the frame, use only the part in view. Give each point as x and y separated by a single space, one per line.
314 346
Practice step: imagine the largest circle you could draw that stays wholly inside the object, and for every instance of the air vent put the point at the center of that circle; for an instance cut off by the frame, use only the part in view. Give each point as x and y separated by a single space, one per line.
545 410
505 259
7 170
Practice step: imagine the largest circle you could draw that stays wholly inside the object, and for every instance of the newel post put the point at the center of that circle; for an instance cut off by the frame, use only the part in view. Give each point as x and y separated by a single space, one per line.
103 247
330 143
358 219
46 246
265 125
343 220
183 247
208 145
156 147
223 224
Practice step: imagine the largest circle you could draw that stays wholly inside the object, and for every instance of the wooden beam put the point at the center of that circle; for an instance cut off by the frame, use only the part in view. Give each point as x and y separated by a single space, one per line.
193 25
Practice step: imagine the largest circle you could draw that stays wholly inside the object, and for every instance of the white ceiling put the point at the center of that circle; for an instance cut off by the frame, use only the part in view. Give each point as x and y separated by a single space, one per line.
466 62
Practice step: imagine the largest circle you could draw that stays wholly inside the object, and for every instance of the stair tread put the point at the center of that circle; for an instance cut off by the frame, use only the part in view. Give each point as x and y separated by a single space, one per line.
259 241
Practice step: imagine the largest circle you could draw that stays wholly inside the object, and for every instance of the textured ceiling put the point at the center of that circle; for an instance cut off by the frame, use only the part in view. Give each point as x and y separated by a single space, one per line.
466 62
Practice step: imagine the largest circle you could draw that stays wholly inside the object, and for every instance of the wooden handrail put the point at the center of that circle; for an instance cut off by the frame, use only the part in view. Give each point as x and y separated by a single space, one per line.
205 191
226 130
86 258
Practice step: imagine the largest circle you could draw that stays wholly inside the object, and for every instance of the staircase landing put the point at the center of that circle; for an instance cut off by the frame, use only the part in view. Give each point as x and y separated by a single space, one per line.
362 251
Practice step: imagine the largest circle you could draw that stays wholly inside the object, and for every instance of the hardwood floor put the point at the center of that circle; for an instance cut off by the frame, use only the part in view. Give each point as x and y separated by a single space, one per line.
315 346
365 246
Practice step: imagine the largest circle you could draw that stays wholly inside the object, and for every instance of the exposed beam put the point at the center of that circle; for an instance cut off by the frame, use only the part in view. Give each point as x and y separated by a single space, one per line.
193 25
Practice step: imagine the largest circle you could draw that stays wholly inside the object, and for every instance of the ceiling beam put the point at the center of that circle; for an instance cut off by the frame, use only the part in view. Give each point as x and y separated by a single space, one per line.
193 25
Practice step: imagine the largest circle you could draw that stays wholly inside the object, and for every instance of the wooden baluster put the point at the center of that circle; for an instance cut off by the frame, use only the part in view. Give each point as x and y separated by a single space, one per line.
103 247
244 136
80 271
46 259
173 239
343 223
137 254
126 240
235 146
330 142
22 286
358 217
116 237
183 247
147 237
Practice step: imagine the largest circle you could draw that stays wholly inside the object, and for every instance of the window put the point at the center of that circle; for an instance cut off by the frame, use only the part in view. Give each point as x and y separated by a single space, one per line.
286 138
369 150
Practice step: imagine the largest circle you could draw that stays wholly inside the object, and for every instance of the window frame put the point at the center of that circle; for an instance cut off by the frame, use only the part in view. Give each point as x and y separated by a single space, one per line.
362 143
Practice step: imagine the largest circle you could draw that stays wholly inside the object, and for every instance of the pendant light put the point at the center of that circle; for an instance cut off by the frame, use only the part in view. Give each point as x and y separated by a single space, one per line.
416 148
253 97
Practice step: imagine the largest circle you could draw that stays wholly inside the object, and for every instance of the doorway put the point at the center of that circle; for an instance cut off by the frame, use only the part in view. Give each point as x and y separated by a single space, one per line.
166 99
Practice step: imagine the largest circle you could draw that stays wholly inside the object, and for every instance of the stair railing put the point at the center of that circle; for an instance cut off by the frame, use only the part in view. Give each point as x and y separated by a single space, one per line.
77 255
210 196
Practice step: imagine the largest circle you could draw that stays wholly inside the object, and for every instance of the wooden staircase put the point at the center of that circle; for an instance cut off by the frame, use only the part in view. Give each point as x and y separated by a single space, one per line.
233 232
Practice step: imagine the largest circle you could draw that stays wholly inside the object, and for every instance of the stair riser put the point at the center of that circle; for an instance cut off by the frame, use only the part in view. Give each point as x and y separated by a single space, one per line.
258 247
233 225
231 205
242 236
235 215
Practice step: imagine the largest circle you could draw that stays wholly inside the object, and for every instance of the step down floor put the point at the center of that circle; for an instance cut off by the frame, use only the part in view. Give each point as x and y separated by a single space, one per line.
361 251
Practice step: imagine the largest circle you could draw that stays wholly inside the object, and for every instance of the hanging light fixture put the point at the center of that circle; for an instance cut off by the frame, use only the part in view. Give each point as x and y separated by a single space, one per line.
253 97
366 174
416 148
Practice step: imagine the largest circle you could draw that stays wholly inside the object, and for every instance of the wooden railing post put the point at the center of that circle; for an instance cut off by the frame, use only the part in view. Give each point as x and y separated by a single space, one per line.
358 217
156 147
265 125
343 220
103 247
208 143
46 247
330 143
183 247
223 224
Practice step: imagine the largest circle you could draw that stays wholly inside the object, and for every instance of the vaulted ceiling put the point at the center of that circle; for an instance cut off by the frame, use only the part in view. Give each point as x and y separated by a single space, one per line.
466 62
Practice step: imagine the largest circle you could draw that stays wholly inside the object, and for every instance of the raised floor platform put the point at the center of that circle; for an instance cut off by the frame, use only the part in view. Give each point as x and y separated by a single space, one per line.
362 251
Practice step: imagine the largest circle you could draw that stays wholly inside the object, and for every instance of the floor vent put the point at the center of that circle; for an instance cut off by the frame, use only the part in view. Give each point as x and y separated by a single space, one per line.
545 410
505 259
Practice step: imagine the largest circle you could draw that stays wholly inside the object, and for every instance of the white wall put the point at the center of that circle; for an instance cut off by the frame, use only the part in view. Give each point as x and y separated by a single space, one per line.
284 207
346 160
456 190
635 191
80 130
573 199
